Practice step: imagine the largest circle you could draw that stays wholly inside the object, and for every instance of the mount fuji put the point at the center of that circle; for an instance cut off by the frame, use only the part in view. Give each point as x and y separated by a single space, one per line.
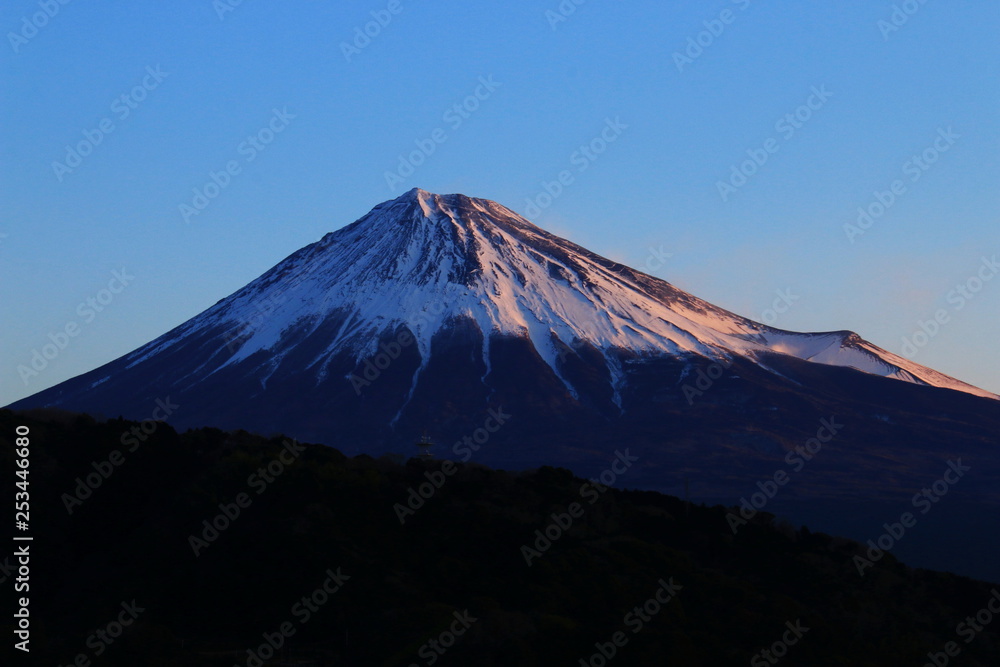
433 312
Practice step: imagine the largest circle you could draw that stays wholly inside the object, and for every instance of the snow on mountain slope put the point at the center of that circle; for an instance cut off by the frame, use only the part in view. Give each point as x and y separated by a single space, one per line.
424 260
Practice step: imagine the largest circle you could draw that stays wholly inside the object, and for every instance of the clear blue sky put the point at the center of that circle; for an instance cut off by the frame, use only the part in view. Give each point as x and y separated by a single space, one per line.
892 94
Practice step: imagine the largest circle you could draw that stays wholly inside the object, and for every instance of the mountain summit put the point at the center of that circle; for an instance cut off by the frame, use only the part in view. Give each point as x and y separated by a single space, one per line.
422 266
511 346
426 262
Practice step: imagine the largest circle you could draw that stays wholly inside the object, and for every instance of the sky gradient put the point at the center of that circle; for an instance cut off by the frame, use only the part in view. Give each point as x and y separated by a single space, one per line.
191 146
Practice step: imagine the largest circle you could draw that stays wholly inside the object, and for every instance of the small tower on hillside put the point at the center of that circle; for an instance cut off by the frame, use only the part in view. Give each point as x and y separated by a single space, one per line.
424 445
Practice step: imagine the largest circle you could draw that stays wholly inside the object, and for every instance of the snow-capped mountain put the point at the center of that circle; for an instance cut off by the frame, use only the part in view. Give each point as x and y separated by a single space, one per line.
417 269
458 317
425 261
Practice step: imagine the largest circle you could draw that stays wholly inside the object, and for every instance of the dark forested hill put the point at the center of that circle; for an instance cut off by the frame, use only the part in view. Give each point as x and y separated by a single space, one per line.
211 548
